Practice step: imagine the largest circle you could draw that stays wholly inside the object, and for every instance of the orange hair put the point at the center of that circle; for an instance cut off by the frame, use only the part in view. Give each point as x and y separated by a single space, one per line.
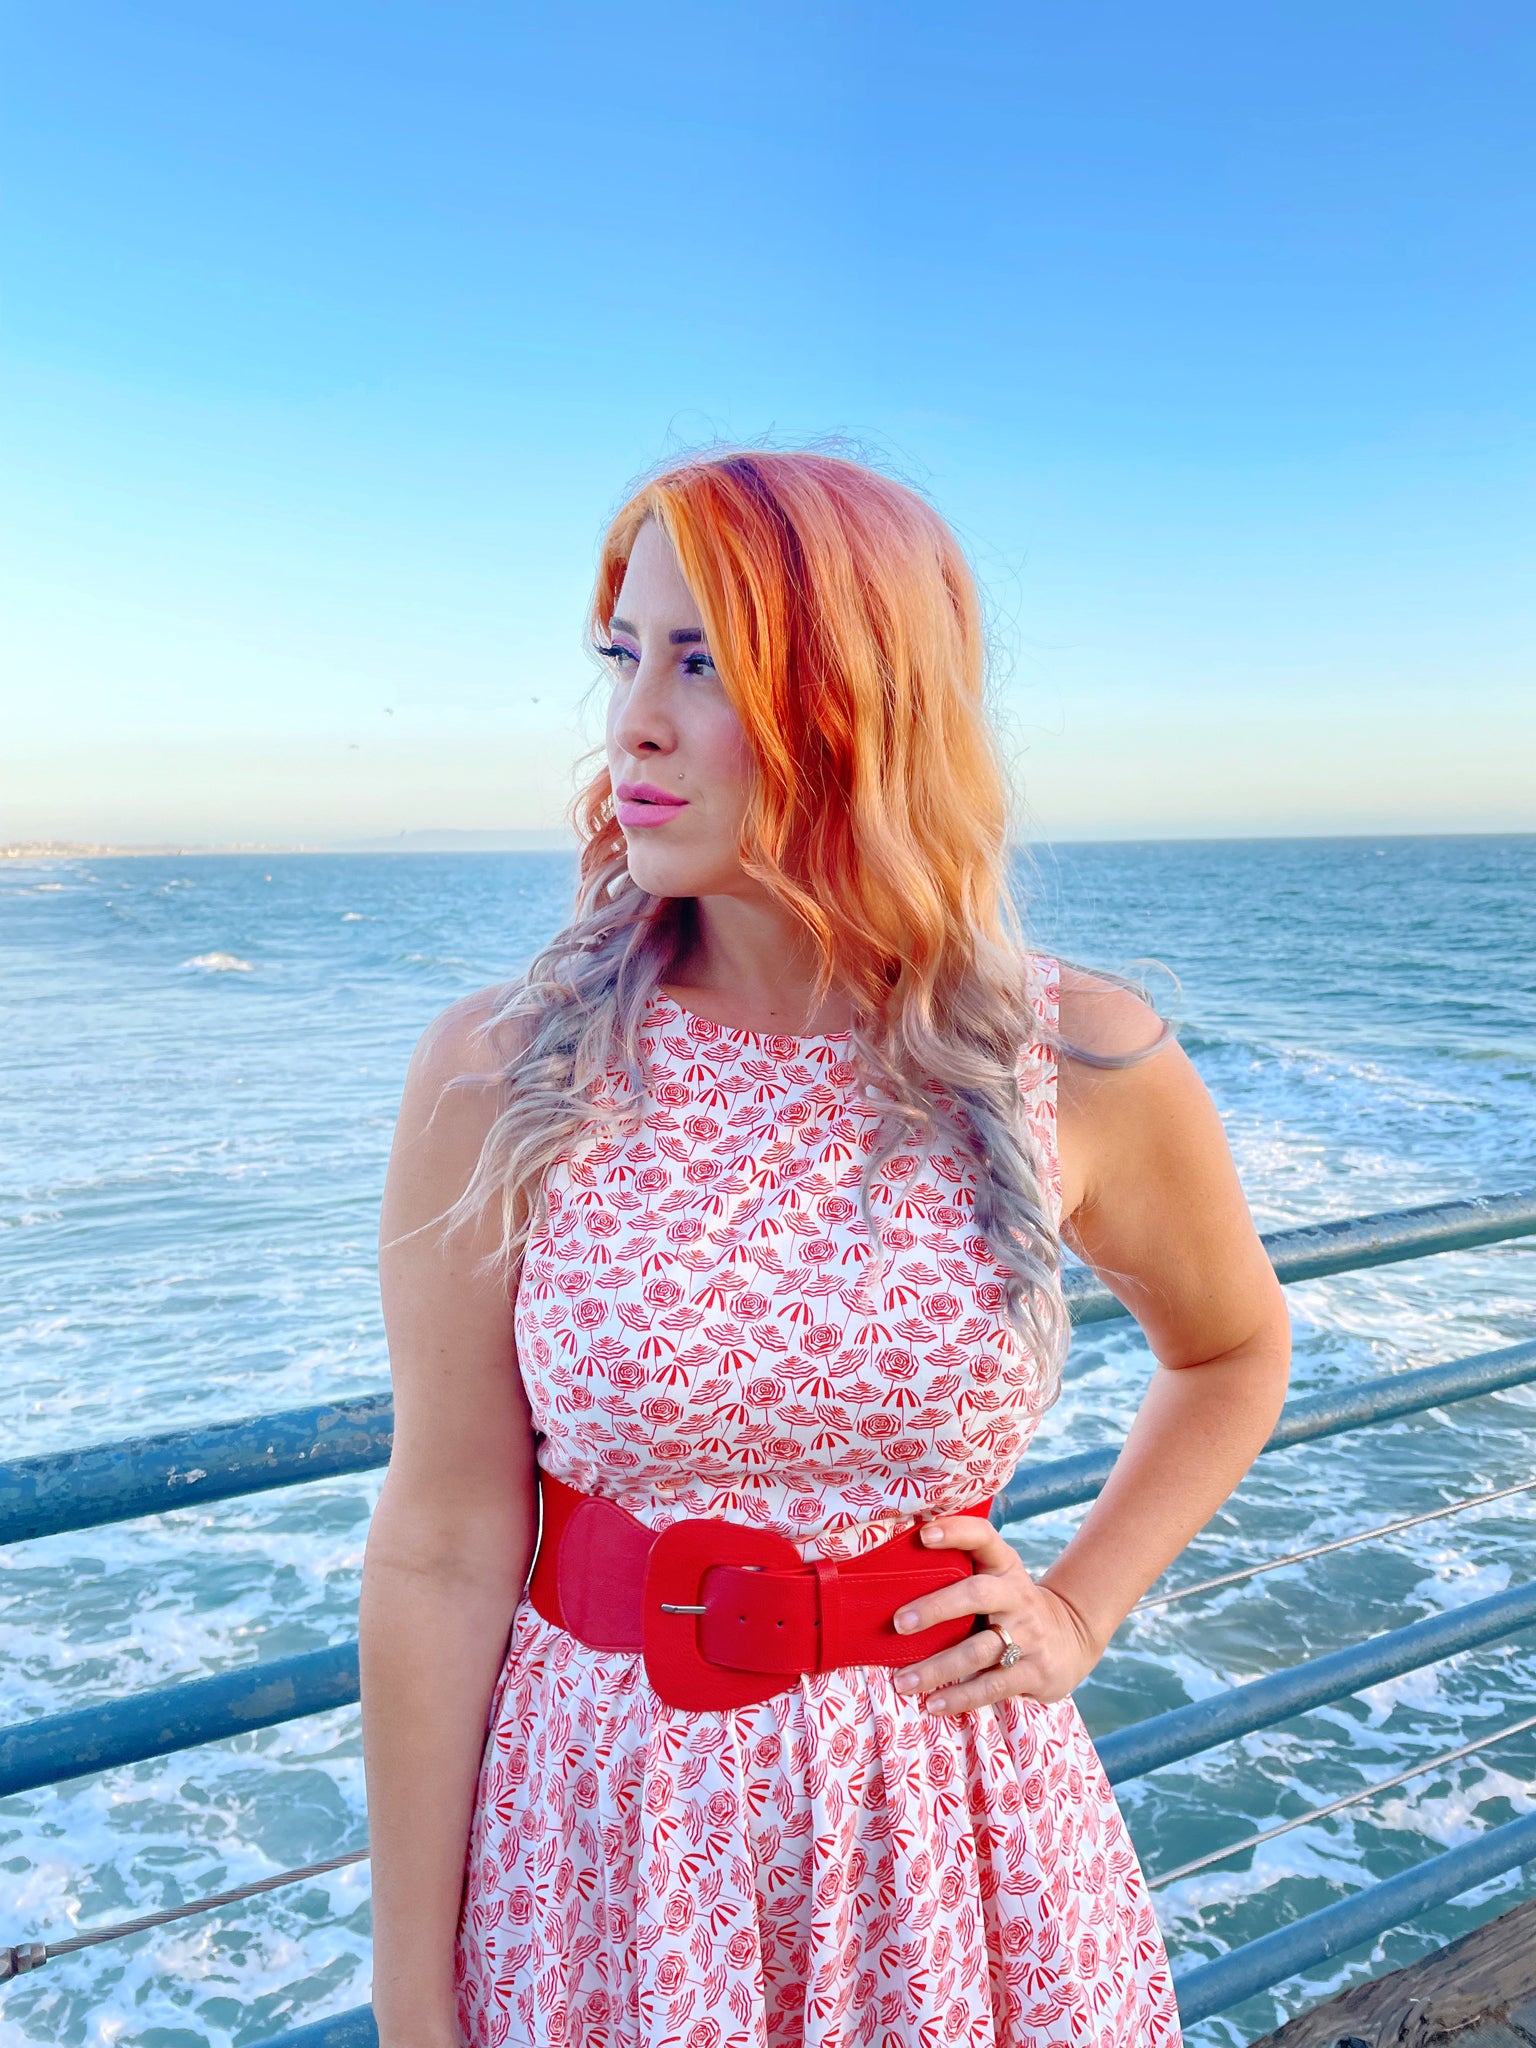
844 623
846 628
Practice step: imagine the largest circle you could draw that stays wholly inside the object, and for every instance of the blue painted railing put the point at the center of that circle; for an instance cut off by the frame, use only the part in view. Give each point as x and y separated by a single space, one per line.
150 1475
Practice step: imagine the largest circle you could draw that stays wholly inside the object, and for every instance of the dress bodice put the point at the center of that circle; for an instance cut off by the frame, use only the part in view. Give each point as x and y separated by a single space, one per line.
705 1328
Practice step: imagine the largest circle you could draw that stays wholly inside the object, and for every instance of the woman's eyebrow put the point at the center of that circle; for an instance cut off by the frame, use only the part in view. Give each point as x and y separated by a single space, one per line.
685 636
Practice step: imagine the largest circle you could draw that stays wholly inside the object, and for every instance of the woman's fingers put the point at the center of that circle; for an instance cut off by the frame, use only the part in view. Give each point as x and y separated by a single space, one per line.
982 1689
974 1533
967 1675
950 1667
998 1580
981 1593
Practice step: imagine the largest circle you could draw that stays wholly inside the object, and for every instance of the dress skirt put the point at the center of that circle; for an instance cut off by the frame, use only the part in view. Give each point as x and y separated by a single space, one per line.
830 1867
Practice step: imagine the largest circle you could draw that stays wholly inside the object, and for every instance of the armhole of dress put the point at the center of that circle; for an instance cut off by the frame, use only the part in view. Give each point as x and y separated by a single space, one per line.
1039 1074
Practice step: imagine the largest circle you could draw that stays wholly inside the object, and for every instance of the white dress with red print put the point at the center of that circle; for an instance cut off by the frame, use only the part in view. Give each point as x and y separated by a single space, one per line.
703 1331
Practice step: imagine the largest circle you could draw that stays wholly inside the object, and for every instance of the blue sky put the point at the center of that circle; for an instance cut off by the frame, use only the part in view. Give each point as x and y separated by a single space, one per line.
330 334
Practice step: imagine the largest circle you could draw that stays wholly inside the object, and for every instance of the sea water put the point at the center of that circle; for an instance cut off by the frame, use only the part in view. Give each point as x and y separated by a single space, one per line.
202 1063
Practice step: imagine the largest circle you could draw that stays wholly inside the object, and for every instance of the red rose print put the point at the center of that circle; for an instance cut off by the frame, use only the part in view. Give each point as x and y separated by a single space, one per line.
586 1315
740 1949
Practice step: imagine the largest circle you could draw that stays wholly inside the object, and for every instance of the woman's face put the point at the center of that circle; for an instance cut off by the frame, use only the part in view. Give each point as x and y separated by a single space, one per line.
672 731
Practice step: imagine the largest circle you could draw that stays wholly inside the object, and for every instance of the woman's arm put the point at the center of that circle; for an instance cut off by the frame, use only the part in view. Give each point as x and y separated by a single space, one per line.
451 1539
1152 1201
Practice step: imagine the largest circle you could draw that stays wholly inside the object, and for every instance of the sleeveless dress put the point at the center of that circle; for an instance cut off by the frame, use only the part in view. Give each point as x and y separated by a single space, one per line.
702 1330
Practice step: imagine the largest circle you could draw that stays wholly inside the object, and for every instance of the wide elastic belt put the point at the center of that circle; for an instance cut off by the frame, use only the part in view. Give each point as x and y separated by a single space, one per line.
725 1614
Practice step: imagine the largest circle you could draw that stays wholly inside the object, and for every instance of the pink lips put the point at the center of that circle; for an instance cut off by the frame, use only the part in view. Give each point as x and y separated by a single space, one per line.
642 803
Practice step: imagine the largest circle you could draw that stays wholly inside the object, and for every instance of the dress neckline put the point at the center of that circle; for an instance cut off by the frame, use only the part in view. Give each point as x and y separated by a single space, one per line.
748 1037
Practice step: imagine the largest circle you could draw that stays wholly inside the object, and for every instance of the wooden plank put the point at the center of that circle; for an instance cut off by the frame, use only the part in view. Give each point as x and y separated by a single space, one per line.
1485 1982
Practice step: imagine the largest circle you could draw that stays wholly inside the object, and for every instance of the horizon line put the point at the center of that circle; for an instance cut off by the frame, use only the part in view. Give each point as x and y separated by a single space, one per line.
551 840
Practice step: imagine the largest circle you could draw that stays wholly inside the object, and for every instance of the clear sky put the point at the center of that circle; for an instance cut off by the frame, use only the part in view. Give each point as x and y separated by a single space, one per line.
331 333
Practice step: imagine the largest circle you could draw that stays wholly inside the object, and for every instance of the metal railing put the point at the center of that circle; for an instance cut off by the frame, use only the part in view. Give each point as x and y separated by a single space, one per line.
154 1474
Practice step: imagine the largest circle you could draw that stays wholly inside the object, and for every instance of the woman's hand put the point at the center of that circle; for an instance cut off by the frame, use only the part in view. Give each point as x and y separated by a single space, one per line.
1058 1650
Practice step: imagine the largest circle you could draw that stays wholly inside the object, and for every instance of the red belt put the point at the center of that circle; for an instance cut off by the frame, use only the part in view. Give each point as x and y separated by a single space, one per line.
725 1614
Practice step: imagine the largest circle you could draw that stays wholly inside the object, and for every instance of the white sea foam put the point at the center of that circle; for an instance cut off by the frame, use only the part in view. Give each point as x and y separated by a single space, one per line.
220 963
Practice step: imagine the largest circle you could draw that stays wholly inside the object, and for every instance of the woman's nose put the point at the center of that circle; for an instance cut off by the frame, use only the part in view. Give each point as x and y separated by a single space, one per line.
644 715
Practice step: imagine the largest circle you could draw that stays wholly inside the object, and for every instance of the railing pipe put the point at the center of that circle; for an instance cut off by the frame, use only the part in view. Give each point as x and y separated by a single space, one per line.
176 1717
1067 1482
1356 1242
56 1747
354 2029
1334 1930
117 1482
183 1468
1187 1731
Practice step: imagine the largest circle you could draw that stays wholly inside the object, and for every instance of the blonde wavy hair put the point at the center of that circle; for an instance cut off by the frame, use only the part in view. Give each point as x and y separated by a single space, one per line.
845 625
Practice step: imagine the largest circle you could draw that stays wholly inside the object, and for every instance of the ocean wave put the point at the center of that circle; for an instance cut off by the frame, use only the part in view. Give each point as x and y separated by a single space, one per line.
220 963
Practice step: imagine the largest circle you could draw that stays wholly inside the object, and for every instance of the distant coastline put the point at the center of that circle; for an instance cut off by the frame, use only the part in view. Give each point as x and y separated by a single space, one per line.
402 842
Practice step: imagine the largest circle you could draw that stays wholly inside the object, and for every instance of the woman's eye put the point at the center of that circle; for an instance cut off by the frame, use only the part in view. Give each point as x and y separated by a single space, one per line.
698 665
616 656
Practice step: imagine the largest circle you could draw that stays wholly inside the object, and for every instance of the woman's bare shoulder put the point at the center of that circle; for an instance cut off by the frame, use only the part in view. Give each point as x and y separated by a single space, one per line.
465 1038
1103 1019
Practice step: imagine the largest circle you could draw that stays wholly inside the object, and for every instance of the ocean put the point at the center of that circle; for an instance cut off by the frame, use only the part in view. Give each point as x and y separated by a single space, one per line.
203 1061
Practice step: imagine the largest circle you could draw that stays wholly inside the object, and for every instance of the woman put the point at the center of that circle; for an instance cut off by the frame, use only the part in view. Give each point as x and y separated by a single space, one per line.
728 1239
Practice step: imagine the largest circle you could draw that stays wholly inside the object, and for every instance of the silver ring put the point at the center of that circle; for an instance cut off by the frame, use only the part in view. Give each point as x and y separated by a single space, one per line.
1011 1651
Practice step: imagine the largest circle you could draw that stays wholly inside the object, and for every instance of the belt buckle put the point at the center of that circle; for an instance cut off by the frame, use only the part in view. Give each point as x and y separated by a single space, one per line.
673 1601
